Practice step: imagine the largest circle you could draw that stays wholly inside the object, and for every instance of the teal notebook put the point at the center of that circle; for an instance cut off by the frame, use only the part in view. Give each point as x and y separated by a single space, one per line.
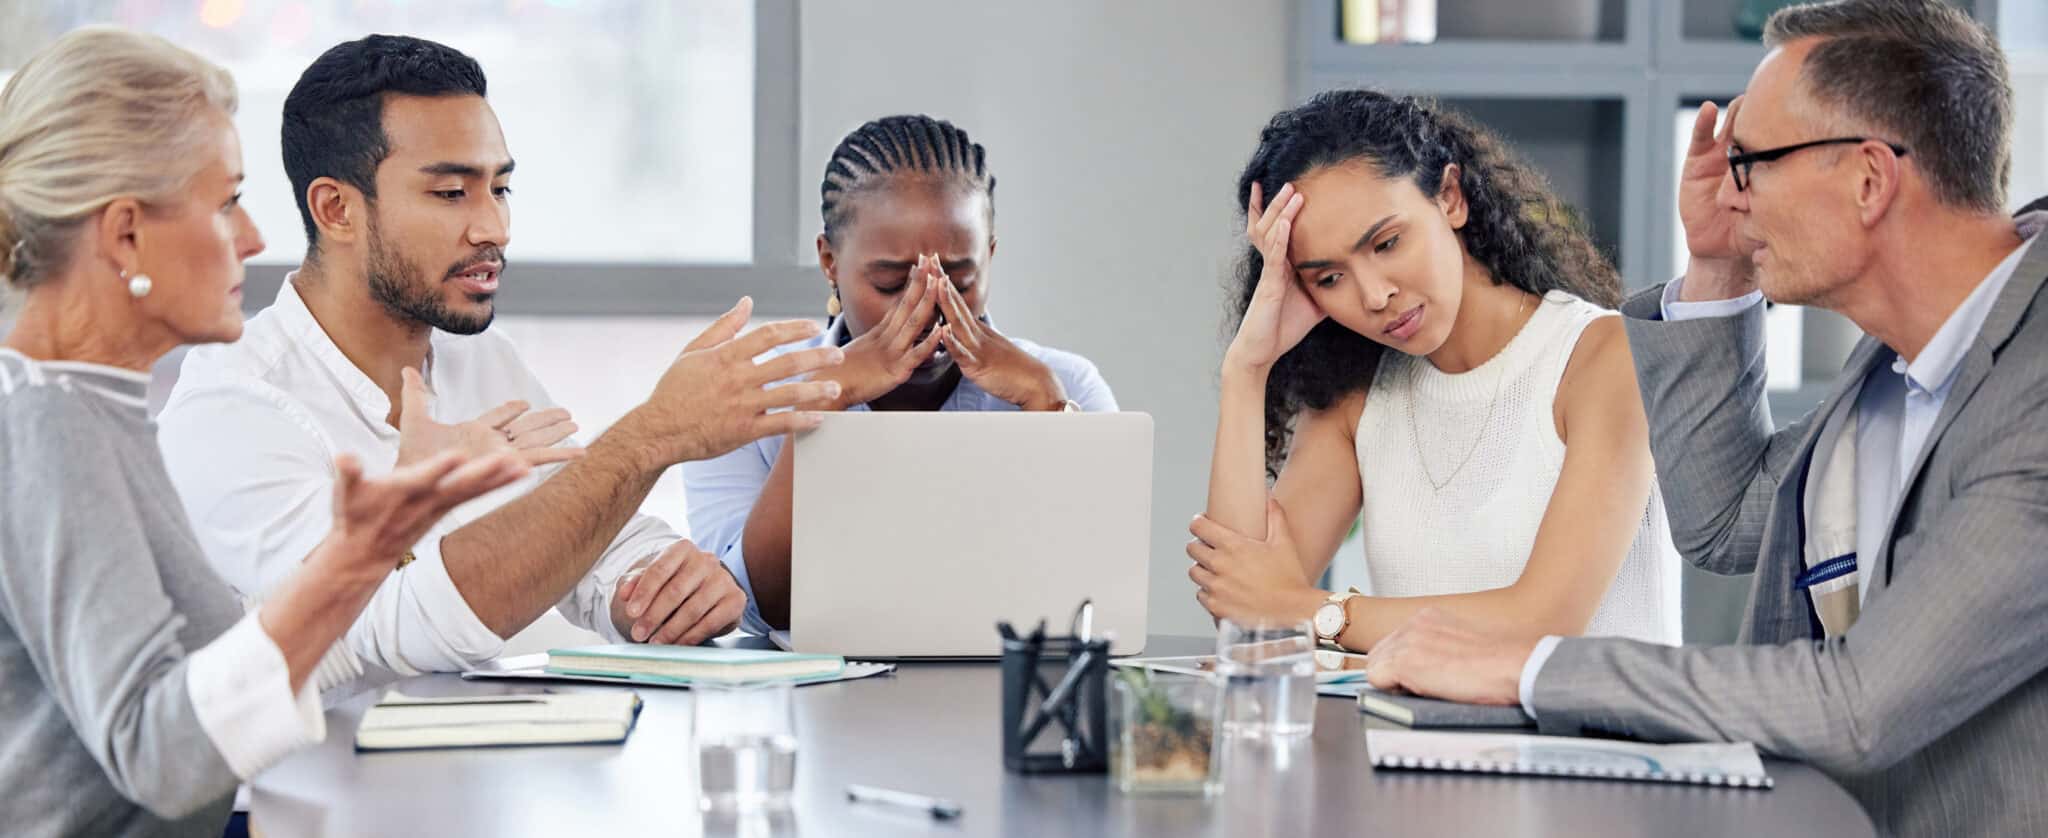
683 664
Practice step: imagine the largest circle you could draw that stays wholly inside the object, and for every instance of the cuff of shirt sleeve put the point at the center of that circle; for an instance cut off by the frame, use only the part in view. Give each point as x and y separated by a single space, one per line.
1537 657
735 562
338 667
604 626
241 692
443 607
1674 309
608 590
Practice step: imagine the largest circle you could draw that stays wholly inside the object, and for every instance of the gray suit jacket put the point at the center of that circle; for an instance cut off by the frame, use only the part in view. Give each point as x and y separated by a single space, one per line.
1933 708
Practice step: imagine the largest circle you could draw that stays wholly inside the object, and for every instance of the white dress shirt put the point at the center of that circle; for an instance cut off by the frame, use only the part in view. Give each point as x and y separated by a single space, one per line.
1894 414
250 434
241 692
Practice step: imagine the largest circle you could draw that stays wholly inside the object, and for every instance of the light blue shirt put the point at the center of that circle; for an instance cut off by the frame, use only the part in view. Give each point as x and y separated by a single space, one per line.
1894 415
722 491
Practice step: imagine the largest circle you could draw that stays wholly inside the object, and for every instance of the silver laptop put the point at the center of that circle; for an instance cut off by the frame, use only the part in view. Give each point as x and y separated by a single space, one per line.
915 532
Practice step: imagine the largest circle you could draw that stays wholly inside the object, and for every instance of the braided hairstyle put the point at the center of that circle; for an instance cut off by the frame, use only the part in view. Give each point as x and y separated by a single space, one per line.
1520 232
894 145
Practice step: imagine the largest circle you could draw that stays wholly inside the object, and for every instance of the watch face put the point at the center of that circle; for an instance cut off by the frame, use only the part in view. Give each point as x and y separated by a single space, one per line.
1329 619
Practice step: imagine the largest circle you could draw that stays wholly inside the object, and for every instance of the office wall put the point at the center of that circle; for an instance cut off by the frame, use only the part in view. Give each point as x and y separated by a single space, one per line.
1115 130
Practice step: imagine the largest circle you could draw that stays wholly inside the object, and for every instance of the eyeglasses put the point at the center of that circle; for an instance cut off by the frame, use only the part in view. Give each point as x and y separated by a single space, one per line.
1739 162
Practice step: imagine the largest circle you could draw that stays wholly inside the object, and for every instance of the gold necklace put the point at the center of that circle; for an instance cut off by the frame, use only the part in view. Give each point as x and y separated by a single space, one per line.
1415 429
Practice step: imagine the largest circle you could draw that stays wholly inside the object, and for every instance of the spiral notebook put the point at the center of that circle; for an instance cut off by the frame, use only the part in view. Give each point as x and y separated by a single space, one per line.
1735 764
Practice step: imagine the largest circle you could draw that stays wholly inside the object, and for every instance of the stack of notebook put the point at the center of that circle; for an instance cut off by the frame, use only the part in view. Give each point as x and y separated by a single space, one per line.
684 664
401 722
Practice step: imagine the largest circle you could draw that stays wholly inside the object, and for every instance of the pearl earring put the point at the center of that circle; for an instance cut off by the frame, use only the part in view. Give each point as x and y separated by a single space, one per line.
832 306
139 286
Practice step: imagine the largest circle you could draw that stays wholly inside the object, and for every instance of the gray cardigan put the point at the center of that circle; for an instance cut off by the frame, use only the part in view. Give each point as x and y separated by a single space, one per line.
103 591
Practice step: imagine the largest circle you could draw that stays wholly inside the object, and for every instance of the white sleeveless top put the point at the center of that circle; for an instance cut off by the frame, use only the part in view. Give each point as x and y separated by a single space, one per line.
1458 471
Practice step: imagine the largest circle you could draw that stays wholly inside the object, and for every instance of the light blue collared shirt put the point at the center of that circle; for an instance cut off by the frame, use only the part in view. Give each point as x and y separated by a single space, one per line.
722 491
1894 414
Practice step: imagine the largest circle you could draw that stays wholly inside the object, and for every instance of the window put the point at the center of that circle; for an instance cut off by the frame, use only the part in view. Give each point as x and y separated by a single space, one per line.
632 122
600 368
656 140
2023 29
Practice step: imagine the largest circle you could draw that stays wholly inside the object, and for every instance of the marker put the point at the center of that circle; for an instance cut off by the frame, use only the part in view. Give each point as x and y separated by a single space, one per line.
939 808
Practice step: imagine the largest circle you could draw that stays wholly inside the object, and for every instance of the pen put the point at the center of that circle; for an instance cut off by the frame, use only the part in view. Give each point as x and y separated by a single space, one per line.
940 808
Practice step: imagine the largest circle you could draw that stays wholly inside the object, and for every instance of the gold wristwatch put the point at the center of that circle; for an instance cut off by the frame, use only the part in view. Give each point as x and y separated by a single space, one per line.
1332 618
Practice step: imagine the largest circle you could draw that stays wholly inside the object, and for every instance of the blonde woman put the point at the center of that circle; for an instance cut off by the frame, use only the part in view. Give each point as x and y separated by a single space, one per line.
134 692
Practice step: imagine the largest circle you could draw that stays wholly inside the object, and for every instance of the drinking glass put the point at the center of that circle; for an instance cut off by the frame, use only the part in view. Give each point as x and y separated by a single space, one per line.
1268 671
745 735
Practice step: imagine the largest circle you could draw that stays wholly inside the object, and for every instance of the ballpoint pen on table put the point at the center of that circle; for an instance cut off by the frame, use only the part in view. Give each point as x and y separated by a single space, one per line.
938 807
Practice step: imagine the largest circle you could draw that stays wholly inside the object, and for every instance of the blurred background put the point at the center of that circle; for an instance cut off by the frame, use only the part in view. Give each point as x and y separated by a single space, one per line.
670 153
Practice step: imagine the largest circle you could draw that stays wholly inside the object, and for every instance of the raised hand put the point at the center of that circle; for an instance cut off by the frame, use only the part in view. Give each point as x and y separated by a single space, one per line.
715 398
511 426
884 356
990 360
1719 269
1281 312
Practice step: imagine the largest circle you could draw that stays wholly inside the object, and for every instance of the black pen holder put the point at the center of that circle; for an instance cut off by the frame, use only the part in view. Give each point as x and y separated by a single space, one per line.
1055 707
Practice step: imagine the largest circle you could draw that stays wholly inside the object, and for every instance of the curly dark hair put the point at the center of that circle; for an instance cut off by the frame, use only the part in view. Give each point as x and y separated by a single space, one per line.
1520 232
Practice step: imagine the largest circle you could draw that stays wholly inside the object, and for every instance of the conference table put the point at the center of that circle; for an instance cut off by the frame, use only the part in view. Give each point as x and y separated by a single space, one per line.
934 728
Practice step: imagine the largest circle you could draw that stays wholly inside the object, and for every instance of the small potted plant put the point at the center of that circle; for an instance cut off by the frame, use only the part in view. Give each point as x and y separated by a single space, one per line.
1163 739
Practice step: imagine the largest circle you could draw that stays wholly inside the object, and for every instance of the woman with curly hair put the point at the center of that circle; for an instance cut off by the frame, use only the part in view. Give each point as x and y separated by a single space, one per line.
1498 454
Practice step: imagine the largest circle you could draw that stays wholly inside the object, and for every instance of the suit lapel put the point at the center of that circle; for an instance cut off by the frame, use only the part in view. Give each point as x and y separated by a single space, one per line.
1999 327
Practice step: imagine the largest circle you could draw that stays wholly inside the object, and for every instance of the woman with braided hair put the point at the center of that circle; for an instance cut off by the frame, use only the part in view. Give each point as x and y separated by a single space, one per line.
1423 340
909 235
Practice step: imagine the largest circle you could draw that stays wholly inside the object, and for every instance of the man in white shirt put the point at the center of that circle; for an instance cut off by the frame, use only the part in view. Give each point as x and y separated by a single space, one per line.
1897 634
402 175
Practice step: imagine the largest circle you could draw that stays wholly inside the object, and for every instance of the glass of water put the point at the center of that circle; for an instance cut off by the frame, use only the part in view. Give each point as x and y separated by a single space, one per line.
746 745
1268 671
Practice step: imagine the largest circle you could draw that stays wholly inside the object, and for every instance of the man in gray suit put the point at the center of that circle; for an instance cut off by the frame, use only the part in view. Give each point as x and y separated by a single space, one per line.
1898 535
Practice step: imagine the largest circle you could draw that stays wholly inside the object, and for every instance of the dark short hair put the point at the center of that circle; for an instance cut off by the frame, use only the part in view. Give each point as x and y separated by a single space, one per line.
334 116
897 145
1924 73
